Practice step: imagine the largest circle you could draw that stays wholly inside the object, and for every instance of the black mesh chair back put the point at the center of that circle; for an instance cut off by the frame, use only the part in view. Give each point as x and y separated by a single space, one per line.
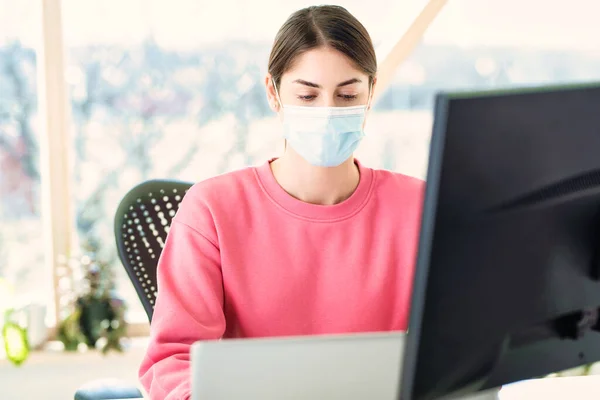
142 223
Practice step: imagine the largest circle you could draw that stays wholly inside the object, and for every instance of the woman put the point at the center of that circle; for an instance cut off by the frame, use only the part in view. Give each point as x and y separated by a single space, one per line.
310 243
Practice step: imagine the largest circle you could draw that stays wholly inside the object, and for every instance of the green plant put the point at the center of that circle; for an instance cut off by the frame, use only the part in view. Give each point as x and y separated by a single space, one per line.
69 332
96 314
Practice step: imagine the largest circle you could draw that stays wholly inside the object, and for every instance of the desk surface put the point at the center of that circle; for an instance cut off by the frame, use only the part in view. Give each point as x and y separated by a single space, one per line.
561 388
577 388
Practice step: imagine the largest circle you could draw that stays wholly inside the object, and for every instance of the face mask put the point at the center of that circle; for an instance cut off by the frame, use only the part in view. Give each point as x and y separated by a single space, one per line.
323 136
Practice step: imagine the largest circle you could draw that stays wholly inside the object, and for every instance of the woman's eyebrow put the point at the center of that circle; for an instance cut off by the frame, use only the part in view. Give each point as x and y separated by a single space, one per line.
316 85
307 83
349 82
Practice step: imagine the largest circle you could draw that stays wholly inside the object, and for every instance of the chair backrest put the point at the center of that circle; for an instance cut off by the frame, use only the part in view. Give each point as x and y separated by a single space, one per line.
142 223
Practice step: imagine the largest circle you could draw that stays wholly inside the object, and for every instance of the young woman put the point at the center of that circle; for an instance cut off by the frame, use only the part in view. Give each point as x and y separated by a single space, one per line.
312 242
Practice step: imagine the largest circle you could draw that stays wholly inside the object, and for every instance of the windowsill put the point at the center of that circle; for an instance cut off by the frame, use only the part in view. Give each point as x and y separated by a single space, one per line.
129 344
134 330
58 373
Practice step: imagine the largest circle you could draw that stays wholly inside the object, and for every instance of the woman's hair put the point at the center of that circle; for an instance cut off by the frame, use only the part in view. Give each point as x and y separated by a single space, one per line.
319 26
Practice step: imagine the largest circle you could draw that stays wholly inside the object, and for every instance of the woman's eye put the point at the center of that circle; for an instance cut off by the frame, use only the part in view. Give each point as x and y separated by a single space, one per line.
348 97
311 97
307 97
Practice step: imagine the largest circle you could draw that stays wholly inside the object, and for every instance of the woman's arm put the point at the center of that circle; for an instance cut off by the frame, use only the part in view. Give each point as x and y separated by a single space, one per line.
189 307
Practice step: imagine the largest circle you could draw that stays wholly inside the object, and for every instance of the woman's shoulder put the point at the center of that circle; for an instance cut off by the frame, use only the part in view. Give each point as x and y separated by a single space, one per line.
222 186
207 199
399 194
395 183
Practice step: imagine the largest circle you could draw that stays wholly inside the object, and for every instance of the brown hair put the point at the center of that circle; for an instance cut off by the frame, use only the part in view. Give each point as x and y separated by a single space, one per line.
318 26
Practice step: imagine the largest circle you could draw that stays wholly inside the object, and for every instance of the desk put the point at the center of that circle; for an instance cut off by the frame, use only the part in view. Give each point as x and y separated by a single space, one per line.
575 387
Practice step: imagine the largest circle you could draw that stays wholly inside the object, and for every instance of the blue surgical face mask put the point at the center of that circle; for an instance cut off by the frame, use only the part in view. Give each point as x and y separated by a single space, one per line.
323 136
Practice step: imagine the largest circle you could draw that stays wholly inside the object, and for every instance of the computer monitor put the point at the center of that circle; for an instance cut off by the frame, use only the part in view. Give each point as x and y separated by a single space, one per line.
507 280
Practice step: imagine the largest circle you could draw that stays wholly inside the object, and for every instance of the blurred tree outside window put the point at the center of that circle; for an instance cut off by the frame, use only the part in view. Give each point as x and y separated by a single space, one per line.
22 262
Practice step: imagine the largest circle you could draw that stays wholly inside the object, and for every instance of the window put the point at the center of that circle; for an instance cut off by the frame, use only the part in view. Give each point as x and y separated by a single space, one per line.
483 45
477 44
175 89
22 263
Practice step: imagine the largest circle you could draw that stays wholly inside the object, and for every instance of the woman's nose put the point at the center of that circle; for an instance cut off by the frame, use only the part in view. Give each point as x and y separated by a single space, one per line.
329 101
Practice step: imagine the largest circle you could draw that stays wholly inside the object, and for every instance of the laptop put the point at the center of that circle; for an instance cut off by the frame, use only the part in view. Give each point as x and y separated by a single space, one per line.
332 367
355 366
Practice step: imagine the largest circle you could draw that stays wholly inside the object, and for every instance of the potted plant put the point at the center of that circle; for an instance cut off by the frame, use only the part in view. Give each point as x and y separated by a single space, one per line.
96 315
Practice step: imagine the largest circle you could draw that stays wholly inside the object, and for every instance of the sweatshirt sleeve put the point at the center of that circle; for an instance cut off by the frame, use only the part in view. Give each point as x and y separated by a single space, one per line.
189 307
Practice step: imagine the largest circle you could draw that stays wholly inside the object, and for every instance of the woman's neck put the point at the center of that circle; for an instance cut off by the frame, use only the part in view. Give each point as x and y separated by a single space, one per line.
315 185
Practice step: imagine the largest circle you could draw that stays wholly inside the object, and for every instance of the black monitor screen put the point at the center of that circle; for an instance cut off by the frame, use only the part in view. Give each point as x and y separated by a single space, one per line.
506 286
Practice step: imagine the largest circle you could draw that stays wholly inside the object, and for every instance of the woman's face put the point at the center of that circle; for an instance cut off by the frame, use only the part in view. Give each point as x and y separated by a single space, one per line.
321 77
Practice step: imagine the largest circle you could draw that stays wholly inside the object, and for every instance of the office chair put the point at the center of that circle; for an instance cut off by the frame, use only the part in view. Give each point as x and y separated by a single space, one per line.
142 222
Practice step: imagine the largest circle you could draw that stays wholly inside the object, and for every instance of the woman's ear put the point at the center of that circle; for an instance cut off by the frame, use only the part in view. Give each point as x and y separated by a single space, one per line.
271 93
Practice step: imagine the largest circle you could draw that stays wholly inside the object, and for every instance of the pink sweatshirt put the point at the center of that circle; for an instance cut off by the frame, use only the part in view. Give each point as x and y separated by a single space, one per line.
245 259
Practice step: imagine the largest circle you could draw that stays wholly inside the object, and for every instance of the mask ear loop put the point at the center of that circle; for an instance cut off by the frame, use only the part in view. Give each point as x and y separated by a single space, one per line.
370 96
368 105
280 106
277 93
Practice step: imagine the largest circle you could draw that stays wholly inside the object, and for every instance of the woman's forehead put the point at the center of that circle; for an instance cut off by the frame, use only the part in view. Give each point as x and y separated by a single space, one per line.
324 66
